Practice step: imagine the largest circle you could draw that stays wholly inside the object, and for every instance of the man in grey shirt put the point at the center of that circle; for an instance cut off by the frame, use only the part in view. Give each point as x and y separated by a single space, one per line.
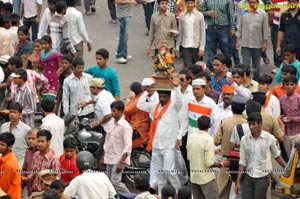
19 129
252 35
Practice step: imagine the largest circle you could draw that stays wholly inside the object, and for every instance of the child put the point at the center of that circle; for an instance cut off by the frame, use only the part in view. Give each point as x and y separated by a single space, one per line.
34 60
68 160
51 64
32 143
289 59
66 62
24 47
290 109
59 186
168 192
117 147
25 96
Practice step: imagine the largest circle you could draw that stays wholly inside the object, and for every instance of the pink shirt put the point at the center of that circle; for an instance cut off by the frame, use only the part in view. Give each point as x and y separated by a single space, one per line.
118 141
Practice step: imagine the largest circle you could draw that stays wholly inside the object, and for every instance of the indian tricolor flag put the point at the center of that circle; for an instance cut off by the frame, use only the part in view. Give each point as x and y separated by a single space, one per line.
195 111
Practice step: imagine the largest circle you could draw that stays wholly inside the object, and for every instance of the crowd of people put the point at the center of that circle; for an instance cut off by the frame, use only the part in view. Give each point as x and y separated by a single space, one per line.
212 108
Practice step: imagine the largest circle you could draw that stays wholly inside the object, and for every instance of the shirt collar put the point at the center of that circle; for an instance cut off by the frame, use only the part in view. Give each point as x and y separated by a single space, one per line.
194 12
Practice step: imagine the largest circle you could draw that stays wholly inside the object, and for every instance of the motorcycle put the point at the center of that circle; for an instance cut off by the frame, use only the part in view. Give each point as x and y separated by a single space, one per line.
88 138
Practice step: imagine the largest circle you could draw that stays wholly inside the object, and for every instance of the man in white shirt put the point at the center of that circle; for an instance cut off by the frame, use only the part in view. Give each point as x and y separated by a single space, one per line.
31 11
222 110
102 101
255 158
191 43
163 135
90 184
47 14
54 124
77 30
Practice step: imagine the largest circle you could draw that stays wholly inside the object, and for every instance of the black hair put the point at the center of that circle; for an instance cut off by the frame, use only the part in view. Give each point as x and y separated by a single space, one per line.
158 1
164 92
7 138
141 182
185 192
190 0
60 6
22 72
206 75
265 79
6 196
48 105
136 87
221 58
240 69
255 117
289 69
45 133
186 72
8 7
70 142
14 19
237 108
252 107
50 194
291 78
261 99
103 53
47 39
15 106
77 61
119 105
2 23
290 48
17 61
37 41
195 69
168 191
67 57
52 1
71 3
57 184
203 122
24 30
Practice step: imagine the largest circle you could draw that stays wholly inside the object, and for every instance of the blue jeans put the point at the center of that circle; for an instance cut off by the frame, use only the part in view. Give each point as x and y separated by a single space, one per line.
17 6
214 36
148 11
123 36
30 22
274 32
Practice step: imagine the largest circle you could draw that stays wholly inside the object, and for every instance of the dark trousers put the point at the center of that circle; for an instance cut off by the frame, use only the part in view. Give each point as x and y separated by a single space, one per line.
112 9
254 55
148 11
255 188
274 33
31 23
189 56
234 51
205 191
87 4
184 153
217 36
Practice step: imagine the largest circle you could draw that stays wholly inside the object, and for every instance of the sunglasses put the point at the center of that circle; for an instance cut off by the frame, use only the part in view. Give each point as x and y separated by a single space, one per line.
182 79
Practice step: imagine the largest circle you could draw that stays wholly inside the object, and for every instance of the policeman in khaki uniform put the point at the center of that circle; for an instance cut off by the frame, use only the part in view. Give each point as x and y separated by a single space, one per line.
223 136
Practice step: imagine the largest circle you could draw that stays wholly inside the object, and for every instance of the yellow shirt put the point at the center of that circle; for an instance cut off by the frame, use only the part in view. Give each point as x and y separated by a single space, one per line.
201 152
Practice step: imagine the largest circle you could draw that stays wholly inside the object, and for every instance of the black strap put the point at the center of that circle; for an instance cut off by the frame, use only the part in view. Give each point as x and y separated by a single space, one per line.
240 130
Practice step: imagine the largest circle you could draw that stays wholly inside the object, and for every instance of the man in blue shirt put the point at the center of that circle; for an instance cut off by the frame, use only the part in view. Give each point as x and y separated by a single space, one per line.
107 73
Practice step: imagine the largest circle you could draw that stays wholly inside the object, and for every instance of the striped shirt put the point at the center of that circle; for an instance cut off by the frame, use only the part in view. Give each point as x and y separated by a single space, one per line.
225 12
59 32
77 90
26 97
171 7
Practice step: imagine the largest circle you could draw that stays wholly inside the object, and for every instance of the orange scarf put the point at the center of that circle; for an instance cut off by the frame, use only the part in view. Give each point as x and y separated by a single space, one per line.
268 98
157 117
